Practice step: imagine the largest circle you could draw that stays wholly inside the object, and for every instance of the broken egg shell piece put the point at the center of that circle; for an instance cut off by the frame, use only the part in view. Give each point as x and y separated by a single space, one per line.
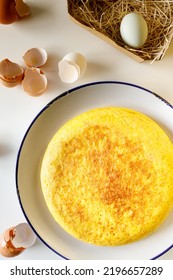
6 247
78 59
10 73
24 236
68 71
35 57
22 8
72 67
34 82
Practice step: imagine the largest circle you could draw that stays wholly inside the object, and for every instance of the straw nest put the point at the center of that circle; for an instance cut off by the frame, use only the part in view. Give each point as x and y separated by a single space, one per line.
105 17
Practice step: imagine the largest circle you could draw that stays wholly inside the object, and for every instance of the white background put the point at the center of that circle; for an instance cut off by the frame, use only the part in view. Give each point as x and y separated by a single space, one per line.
49 27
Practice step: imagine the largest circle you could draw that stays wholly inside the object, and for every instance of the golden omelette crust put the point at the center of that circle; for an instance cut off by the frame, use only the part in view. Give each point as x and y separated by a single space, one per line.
107 176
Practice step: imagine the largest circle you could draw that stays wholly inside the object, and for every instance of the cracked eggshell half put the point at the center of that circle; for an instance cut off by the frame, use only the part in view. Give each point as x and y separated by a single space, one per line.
11 73
35 57
15 240
6 247
34 82
72 67
24 236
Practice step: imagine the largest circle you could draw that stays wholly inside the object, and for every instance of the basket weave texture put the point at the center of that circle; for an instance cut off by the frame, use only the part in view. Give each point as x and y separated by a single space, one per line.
105 16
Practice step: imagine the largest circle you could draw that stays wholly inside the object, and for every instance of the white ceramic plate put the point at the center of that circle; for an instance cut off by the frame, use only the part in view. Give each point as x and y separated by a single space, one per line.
34 143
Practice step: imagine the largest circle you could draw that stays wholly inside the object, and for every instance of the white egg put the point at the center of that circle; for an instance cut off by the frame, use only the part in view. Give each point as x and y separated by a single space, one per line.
134 30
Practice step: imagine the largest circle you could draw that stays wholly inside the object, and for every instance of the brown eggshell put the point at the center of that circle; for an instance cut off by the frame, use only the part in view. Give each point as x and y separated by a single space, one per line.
6 247
10 73
34 82
35 57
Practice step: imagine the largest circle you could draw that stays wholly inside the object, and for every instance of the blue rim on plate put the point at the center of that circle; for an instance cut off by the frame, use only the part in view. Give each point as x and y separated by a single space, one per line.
37 116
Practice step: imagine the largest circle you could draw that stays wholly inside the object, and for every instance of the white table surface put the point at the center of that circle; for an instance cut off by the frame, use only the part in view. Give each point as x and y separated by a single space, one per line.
49 27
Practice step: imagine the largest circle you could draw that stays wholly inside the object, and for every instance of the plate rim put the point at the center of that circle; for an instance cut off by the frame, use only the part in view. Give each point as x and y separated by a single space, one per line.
70 91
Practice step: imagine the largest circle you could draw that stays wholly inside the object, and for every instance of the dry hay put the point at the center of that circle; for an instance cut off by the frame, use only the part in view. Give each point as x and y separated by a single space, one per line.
105 17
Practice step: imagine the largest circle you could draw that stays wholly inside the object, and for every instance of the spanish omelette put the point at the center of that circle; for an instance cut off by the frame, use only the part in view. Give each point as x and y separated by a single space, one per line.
107 176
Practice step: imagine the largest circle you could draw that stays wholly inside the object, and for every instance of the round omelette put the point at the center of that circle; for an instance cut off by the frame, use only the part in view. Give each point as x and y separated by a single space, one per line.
107 176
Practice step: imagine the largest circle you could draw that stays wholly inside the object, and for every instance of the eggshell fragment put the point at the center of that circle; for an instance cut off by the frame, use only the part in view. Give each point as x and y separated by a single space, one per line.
6 247
34 82
22 8
24 236
35 57
134 30
68 71
10 73
78 59
15 240
72 67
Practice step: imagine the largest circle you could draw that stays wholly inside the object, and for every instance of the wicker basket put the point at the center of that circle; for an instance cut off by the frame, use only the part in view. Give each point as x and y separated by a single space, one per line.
103 19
